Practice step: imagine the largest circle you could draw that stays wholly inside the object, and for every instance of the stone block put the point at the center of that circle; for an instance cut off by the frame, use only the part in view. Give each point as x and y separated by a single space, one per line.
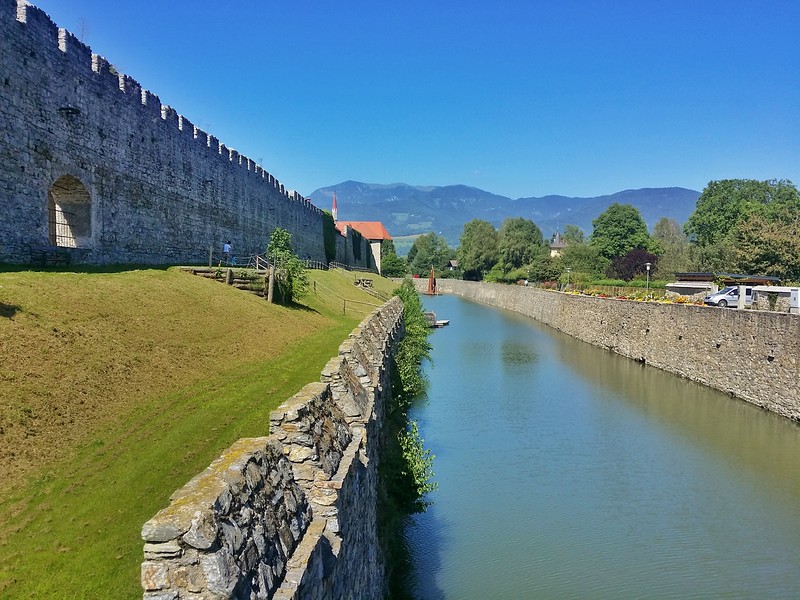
155 576
202 533
170 549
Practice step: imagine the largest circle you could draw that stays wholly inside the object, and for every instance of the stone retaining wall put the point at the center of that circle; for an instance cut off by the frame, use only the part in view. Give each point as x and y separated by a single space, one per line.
751 354
291 515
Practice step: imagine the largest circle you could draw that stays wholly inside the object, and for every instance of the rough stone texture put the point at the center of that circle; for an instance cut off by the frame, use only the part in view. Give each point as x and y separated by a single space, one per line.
751 354
291 515
230 529
771 301
160 190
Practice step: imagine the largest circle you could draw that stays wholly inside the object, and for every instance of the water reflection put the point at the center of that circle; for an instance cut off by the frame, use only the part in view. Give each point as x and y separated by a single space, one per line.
759 444
565 471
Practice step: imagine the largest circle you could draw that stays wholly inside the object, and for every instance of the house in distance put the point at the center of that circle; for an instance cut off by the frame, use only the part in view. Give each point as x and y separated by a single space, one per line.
374 231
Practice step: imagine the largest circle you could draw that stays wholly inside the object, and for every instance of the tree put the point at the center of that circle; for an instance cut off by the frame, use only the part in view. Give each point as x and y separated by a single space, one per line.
387 248
520 240
543 267
726 202
632 264
672 247
477 252
583 258
429 250
769 246
573 235
391 264
745 225
712 257
618 230
291 278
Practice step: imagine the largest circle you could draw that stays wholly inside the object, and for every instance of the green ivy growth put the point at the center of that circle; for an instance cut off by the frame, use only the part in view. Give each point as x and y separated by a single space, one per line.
329 235
357 237
291 279
406 465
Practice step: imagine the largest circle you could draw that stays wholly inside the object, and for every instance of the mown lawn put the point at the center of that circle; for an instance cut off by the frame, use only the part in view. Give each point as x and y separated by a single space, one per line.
117 388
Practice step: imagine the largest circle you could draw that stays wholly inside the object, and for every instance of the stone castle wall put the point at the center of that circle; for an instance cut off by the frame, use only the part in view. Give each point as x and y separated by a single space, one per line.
751 354
141 182
291 515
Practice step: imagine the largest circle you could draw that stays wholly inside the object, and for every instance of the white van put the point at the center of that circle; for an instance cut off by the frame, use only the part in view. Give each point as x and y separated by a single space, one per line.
729 296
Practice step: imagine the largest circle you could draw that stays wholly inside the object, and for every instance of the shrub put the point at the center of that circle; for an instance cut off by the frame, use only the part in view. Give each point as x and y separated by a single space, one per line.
405 470
291 279
496 274
610 282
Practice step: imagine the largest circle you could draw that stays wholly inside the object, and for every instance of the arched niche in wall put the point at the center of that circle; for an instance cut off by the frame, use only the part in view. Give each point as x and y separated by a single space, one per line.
69 210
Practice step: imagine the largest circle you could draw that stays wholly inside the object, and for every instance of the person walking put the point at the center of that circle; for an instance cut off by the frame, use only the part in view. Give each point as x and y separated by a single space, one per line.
227 251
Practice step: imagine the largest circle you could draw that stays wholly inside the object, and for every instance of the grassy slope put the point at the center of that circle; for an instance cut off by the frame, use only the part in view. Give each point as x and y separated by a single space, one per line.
122 386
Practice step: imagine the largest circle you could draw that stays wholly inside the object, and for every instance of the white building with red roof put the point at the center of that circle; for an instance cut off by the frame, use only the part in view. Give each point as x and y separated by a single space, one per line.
374 231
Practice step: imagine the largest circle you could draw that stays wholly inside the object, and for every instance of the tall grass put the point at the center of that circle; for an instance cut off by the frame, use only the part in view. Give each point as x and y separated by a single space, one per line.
127 385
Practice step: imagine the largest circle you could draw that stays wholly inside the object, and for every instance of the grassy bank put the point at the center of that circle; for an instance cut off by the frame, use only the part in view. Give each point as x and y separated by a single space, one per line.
116 388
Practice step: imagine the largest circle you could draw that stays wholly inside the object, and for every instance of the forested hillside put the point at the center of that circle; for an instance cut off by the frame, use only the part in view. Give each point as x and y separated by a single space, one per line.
411 210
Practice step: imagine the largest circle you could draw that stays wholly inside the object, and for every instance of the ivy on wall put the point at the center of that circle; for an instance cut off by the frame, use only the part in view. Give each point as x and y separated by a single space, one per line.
357 239
329 235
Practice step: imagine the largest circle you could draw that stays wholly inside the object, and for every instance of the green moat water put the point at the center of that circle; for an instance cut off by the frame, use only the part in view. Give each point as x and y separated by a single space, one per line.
565 471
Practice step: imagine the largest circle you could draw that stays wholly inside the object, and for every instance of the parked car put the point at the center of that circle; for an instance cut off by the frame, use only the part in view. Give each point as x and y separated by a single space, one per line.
729 296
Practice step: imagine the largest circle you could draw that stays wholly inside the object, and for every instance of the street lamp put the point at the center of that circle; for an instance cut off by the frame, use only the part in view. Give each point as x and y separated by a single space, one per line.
568 272
647 266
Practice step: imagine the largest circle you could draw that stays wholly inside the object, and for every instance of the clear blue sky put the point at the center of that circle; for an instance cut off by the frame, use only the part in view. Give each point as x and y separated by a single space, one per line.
518 97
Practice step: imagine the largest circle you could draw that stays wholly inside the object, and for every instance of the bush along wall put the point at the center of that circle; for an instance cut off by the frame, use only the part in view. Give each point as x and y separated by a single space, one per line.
405 473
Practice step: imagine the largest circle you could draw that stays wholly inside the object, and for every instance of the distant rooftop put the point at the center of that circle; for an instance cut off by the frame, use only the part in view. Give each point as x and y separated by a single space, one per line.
729 278
372 230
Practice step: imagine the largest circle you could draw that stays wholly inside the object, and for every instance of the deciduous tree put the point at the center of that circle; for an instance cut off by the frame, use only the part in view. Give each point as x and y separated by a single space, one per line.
632 264
429 250
583 258
619 230
573 235
746 225
726 202
543 267
520 240
391 264
477 252
672 247
769 246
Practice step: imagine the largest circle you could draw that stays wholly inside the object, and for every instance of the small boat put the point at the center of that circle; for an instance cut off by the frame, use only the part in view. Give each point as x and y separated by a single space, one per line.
430 318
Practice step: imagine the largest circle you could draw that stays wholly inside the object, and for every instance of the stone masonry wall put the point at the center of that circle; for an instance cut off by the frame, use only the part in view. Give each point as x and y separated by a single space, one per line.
751 354
161 190
291 515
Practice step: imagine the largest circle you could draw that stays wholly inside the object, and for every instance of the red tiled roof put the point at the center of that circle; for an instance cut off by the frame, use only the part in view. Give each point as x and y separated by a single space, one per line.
372 230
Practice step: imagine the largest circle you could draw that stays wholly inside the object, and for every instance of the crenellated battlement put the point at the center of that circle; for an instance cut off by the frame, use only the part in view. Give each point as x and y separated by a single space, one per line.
49 37
155 188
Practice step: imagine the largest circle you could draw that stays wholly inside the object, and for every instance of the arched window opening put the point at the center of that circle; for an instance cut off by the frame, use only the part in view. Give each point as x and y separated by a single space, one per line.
69 209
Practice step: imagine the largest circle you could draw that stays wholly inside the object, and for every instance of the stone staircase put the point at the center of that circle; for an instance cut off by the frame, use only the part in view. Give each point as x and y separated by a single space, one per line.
248 280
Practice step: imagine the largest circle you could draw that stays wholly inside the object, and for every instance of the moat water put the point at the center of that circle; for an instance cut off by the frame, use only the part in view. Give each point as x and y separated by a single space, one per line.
565 471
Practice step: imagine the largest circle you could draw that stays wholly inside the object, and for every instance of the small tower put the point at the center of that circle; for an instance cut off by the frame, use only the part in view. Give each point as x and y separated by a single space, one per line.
334 208
557 245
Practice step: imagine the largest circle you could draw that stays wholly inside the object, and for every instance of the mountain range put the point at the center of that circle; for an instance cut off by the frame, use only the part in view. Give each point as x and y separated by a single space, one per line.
408 210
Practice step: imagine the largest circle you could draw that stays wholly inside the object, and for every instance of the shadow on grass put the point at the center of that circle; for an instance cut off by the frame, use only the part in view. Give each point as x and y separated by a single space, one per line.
9 268
8 310
301 308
